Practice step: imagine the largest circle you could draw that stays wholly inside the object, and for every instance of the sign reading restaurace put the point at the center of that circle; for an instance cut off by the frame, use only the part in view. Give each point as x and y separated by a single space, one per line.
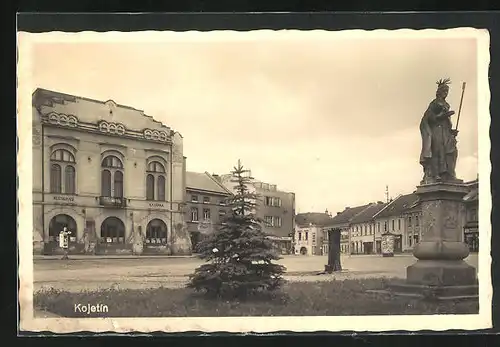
64 198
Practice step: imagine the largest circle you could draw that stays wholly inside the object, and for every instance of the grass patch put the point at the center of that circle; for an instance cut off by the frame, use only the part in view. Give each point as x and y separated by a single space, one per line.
335 298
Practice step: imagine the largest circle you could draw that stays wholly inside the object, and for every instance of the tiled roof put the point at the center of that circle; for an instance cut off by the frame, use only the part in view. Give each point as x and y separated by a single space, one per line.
415 207
346 215
315 218
367 214
398 206
204 181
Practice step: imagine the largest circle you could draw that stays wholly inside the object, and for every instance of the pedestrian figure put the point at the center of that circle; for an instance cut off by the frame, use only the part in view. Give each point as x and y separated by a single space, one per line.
64 242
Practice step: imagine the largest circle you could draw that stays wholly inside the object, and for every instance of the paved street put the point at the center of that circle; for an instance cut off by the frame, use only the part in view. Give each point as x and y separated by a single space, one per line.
90 273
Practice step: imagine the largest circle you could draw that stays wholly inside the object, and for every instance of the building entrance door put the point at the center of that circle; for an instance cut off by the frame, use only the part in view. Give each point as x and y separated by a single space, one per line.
368 247
58 223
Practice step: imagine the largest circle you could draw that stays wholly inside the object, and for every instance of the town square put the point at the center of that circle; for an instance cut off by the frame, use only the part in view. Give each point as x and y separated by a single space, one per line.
84 273
241 187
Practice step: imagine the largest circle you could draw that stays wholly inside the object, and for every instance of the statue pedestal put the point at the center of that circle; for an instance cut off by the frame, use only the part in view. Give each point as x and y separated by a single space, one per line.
440 271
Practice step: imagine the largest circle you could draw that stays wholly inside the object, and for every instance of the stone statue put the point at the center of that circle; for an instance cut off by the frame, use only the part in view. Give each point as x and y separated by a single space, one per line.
439 145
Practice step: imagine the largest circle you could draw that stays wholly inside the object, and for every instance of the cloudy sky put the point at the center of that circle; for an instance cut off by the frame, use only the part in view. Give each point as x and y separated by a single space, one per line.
334 121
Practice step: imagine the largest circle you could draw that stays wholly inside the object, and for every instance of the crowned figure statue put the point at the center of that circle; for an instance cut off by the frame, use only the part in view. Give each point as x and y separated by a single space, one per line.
439 153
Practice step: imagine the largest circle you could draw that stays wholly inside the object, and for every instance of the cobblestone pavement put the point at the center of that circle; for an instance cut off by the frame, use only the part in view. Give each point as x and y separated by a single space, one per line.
91 273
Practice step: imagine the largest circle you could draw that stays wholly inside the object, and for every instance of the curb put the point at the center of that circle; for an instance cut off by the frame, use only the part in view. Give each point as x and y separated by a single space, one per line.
99 257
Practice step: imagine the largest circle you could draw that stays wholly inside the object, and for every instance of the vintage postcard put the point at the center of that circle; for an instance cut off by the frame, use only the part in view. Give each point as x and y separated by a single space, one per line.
259 181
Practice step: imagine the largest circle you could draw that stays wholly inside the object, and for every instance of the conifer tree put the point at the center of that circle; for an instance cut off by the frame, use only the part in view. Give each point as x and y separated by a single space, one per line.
238 254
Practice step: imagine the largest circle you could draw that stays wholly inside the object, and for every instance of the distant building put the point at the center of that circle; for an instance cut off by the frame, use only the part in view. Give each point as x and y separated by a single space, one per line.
111 174
275 207
309 233
392 219
362 228
342 222
413 231
471 227
205 204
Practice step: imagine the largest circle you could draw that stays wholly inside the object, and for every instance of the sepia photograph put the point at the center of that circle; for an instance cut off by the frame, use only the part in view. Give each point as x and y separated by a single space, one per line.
254 181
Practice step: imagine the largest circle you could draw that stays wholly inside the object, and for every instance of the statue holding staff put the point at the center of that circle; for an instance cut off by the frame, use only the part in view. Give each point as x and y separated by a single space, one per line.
439 153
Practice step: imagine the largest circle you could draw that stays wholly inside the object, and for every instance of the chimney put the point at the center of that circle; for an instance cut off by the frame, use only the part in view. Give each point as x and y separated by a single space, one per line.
338 213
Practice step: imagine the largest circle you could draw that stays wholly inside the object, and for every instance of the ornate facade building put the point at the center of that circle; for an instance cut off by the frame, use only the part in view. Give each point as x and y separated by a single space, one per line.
112 175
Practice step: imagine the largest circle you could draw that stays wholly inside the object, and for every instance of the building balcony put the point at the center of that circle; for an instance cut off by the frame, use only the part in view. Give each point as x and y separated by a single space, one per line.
112 202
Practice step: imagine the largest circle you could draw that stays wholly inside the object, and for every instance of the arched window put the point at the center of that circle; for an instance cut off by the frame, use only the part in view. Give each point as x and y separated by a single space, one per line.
69 180
112 177
55 178
118 183
155 178
156 232
58 223
105 183
161 188
62 160
112 231
150 187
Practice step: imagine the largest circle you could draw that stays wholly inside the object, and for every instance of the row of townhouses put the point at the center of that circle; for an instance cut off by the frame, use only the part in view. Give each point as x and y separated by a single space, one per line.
115 177
362 226
206 196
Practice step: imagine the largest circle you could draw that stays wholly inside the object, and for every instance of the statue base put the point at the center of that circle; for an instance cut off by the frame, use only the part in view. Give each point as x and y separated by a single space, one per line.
434 293
440 272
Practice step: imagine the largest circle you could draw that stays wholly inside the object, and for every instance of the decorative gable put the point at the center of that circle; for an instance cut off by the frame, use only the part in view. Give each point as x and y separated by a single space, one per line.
111 128
155 135
62 120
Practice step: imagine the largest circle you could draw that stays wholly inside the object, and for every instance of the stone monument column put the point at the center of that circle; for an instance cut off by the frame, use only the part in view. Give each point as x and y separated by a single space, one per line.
440 271
441 252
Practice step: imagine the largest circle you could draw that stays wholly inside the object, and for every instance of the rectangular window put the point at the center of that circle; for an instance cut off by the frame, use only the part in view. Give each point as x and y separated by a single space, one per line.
268 201
393 225
277 222
206 214
194 198
306 236
268 220
378 227
385 226
399 224
277 202
313 237
206 200
417 221
194 214
300 236
222 202
409 221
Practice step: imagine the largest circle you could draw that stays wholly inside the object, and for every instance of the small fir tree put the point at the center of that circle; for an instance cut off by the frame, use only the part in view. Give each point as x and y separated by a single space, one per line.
239 256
